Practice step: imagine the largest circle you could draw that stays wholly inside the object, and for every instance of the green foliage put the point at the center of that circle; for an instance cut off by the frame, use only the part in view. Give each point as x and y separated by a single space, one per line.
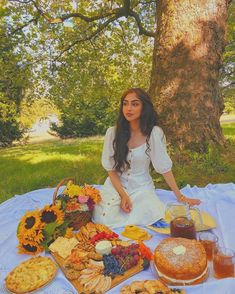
9 126
92 74
72 73
13 82
84 118
227 79
52 231
229 106
31 110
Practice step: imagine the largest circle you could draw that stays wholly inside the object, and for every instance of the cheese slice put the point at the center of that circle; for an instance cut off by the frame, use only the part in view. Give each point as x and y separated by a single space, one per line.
63 246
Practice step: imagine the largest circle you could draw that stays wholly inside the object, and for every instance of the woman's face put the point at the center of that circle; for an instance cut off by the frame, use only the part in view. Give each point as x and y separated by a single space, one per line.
132 107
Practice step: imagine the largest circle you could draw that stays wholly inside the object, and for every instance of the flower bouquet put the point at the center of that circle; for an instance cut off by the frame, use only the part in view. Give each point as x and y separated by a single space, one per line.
37 229
77 202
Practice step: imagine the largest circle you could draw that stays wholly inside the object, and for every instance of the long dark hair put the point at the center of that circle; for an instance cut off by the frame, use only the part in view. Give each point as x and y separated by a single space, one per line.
148 120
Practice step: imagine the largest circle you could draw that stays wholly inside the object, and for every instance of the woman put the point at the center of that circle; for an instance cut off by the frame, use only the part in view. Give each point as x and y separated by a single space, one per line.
128 194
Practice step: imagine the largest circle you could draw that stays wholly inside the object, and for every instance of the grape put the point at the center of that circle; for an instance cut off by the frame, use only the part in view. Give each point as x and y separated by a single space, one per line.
112 266
136 257
121 259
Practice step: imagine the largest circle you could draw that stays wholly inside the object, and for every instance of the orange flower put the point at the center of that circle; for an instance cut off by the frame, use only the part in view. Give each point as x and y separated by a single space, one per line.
145 251
69 233
92 192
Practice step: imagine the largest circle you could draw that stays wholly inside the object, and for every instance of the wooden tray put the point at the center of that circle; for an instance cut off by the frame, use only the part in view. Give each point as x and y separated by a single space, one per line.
117 280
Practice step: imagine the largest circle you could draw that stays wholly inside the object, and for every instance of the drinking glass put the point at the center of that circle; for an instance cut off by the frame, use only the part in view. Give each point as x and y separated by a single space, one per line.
223 262
209 242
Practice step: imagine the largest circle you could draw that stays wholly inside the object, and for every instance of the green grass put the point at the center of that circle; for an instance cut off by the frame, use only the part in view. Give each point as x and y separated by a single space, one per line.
215 166
35 166
229 130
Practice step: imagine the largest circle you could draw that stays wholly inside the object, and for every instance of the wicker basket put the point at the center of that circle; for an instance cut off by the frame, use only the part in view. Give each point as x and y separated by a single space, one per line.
77 218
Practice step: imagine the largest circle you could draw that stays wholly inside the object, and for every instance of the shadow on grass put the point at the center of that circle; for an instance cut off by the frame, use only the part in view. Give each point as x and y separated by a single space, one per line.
34 167
63 148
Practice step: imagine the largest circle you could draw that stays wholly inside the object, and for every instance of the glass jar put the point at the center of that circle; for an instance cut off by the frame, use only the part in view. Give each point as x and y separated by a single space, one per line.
181 223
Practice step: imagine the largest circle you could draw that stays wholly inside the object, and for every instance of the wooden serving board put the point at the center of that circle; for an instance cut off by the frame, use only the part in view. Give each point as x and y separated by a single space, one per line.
117 280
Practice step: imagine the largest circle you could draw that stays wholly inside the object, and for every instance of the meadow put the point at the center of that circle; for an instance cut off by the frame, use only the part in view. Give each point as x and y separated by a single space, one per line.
24 168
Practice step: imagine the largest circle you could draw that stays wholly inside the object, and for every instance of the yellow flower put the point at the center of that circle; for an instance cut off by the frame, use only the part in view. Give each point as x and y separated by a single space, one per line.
72 190
30 248
36 236
69 233
92 192
52 213
30 222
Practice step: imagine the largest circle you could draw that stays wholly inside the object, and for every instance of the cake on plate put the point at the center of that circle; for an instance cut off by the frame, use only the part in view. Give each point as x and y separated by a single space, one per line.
181 261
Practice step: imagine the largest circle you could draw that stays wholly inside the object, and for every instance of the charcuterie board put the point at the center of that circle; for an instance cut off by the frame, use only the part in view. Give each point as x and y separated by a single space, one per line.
95 260
114 282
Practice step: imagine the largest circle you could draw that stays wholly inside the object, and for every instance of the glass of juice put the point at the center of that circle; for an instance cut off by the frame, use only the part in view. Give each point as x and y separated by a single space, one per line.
223 262
209 242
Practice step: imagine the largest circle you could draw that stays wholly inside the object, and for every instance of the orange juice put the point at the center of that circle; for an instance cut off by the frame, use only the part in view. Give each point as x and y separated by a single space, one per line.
223 265
209 246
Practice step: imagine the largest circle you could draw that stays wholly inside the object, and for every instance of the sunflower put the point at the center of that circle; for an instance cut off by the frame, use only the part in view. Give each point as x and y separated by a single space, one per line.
30 248
36 236
30 222
91 192
52 213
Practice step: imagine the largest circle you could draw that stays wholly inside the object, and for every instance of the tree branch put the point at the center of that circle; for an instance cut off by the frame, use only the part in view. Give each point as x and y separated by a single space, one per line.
227 86
21 2
94 34
40 10
142 30
92 18
24 25
125 10
147 2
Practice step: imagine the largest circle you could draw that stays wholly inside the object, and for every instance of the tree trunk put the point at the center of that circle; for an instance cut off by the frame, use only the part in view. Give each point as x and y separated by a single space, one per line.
189 43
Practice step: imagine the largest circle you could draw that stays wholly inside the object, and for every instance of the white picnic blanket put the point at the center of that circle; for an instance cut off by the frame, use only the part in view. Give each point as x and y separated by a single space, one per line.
218 201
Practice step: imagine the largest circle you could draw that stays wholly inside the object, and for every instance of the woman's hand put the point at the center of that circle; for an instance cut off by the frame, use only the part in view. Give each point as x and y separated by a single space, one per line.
126 204
189 201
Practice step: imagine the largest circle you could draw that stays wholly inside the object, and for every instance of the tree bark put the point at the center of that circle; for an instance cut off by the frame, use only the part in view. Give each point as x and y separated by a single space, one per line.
189 43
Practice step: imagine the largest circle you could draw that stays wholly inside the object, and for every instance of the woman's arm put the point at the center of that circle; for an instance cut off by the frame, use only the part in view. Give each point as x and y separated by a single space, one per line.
170 180
125 204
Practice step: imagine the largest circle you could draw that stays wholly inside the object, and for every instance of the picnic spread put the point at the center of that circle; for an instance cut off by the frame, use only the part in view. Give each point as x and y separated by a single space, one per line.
49 244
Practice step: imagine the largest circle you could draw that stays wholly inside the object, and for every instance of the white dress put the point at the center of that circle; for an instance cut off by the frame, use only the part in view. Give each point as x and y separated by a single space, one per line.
146 206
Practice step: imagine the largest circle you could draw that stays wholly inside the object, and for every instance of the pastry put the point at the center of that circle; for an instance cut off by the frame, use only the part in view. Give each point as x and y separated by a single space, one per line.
181 261
149 287
31 275
137 287
126 290
153 286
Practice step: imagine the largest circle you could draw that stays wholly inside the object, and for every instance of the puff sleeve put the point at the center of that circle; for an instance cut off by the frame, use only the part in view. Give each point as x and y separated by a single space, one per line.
158 153
107 153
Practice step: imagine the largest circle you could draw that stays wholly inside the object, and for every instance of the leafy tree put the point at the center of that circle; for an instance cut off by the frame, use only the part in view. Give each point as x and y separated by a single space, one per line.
12 86
189 39
227 78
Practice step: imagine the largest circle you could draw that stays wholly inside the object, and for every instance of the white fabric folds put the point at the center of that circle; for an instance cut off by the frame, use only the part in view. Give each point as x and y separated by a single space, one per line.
147 208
